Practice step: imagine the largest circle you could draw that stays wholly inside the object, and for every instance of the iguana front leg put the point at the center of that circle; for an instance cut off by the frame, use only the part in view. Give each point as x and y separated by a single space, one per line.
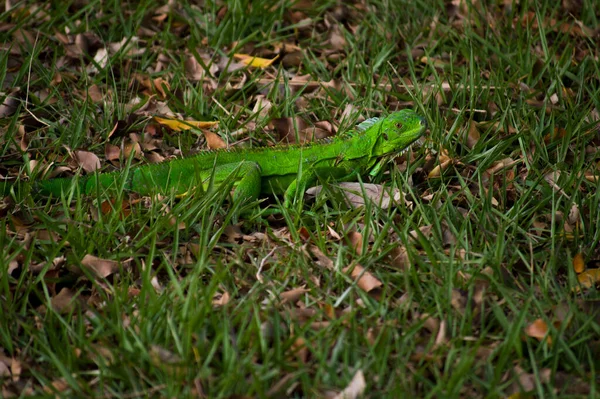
247 176
310 177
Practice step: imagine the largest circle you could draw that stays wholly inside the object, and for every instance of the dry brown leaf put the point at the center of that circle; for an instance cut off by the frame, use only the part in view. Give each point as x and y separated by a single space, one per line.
527 382
558 134
292 59
112 152
262 106
502 164
438 169
4 370
322 259
382 196
426 231
552 179
293 295
95 94
101 354
108 206
588 278
161 87
15 369
333 233
313 133
538 330
441 337
166 360
87 160
473 135
364 279
355 389
336 40
213 140
221 299
64 302
299 349
132 147
154 157
8 106
196 72
57 386
356 241
578 263
399 258
286 128
101 267
459 300
573 216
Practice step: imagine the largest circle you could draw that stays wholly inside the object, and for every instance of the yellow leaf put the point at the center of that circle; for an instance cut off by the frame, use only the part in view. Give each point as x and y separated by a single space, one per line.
179 125
589 278
252 61
578 263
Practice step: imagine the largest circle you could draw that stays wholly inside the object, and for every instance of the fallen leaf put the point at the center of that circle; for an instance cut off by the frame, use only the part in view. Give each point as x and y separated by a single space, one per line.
87 160
472 135
527 382
356 387
364 279
578 263
293 295
196 72
502 164
57 386
16 368
538 330
64 301
382 196
221 299
112 152
286 128
399 258
8 106
438 169
299 349
256 62
214 141
322 259
101 267
132 147
589 278
179 125
356 241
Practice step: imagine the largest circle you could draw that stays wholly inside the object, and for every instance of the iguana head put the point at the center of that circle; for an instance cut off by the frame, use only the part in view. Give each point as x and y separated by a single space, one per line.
396 132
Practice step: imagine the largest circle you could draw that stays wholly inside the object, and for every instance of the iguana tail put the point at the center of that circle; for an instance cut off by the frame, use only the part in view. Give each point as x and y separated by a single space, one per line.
51 187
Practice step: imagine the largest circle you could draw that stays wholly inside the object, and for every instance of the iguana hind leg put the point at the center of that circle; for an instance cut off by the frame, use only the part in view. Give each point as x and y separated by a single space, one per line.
245 176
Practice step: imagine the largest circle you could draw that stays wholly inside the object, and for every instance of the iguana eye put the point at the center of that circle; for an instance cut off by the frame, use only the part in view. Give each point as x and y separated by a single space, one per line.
385 136
398 125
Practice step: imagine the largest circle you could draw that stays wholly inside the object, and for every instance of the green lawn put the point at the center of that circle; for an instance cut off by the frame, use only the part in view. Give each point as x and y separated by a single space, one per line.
471 285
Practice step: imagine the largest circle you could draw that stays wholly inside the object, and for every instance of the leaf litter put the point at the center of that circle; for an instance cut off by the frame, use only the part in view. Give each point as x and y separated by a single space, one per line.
262 76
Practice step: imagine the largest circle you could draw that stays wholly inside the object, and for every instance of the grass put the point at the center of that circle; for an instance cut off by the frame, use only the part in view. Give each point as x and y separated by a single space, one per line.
201 302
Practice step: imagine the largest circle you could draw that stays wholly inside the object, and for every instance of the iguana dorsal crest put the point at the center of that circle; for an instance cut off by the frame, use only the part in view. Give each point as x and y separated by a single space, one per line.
367 123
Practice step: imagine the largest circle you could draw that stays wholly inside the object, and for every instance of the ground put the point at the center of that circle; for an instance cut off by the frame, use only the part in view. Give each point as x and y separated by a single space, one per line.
466 268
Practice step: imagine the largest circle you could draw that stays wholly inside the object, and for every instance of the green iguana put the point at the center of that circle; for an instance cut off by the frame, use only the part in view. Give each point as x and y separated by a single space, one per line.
277 170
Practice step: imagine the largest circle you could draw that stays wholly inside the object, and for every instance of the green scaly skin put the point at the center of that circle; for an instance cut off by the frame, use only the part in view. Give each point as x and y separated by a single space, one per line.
277 170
